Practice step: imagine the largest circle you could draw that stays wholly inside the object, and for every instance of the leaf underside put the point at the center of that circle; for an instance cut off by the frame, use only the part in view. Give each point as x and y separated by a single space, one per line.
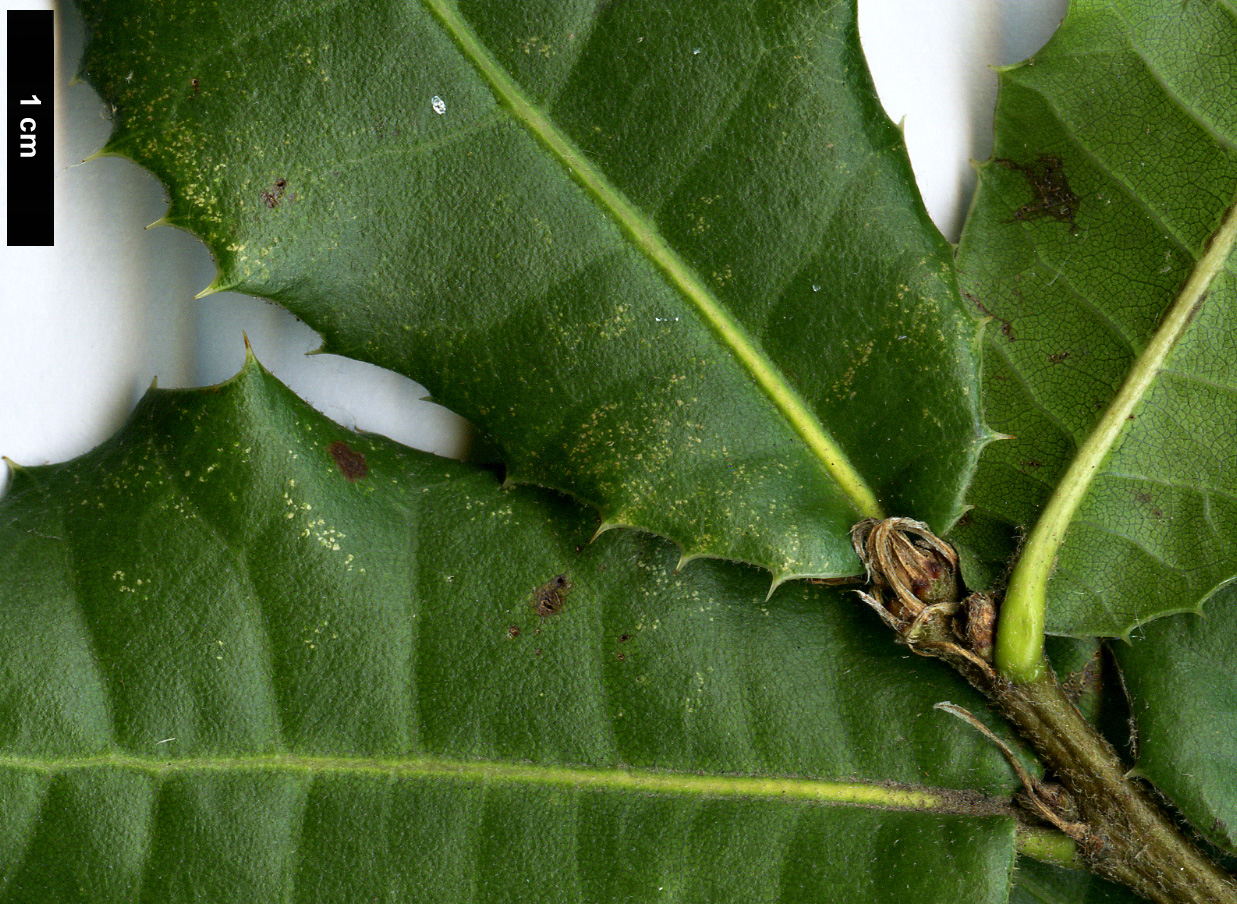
670 258
1040 883
1187 747
1115 159
254 656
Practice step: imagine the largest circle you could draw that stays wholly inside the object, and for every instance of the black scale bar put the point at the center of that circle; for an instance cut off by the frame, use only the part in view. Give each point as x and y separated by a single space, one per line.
29 130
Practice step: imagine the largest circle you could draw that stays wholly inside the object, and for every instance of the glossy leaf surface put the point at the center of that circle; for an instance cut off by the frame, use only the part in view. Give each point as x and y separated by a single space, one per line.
669 257
1116 157
253 656
1184 692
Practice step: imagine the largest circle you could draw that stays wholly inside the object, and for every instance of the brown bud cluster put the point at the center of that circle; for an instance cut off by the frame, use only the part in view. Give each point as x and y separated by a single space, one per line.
914 584
908 567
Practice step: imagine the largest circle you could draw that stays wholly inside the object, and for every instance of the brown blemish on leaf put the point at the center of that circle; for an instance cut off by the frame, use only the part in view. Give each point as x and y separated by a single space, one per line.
623 638
351 463
619 656
1053 197
1058 357
272 198
195 84
513 631
550 596
1006 330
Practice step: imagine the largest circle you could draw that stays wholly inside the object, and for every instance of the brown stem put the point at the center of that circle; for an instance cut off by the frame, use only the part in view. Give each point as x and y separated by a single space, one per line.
1121 831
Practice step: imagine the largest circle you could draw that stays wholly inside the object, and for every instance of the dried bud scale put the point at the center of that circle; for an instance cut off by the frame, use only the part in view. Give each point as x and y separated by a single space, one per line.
914 585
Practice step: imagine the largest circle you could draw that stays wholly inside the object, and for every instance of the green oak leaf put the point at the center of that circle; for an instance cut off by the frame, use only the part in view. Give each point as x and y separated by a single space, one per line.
1043 883
1183 692
671 258
1115 161
250 655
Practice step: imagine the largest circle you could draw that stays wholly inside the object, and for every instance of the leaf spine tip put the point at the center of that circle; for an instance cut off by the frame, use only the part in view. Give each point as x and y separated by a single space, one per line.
685 559
214 288
606 525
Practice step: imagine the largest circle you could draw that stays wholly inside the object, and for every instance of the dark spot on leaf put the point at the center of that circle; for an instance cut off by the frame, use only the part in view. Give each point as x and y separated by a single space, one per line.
619 656
1053 197
273 197
550 596
195 84
513 631
1058 357
538 652
623 638
351 464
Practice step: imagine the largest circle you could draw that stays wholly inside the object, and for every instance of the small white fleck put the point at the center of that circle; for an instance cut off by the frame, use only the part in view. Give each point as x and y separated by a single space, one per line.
815 288
129 77
164 741
696 52
439 105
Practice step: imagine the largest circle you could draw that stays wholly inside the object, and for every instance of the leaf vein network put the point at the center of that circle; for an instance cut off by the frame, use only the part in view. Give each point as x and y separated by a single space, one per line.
1161 80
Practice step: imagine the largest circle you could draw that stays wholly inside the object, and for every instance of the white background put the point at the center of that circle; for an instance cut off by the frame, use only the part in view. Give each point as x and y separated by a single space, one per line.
87 325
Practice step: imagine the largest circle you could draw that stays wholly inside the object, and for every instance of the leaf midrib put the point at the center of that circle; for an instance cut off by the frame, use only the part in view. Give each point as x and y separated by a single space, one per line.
887 796
645 237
